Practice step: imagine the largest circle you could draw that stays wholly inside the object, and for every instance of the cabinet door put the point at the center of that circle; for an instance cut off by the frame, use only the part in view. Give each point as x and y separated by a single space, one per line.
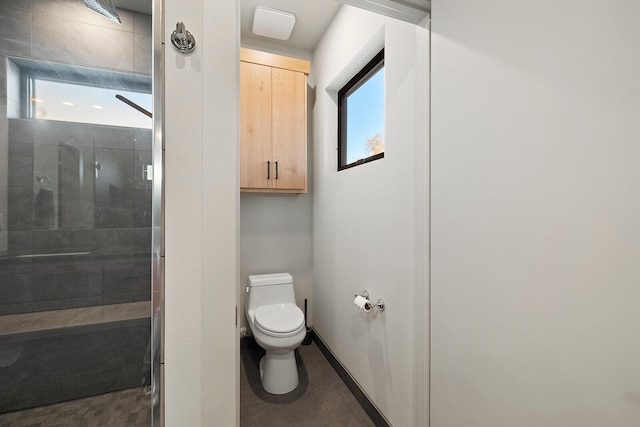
289 121
255 126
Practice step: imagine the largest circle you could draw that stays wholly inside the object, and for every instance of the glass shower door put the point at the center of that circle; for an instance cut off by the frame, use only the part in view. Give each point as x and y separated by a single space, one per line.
75 215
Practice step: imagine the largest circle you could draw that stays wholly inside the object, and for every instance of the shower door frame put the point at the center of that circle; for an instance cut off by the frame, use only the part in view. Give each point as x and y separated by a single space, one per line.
157 221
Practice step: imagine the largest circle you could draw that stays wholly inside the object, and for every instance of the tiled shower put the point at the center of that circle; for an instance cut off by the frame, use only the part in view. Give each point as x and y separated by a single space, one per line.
75 213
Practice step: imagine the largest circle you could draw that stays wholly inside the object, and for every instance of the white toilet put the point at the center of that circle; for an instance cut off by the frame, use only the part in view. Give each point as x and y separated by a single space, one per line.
278 327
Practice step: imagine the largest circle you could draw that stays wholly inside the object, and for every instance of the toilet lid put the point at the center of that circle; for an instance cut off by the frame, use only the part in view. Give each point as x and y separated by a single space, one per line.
279 318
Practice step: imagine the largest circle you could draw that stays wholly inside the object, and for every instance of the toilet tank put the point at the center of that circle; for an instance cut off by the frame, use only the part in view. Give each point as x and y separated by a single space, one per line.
267 289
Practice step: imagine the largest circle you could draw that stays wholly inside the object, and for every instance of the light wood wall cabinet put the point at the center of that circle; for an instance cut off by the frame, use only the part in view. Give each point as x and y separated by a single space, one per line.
273 123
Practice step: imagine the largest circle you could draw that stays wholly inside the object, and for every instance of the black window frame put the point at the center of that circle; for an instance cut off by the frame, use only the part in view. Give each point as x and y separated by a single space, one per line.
371 68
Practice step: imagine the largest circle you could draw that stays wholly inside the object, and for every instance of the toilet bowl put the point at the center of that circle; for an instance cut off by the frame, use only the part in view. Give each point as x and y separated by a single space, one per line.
278 327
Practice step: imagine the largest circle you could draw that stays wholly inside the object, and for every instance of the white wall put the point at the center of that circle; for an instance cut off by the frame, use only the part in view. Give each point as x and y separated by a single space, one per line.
366 230
275 237
201 211
535 207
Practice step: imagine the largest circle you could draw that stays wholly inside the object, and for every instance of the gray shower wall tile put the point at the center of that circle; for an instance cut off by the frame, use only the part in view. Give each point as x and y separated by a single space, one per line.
48 132
118 264
66 303
87 240
21 165
142 209
15 32
142 54
15 294
16 288
114 208
104 241
142 242
112 359
92 46
4 146
142 24
113 218
25 265
142 262
21 131
20 210
38 284
127 298
114 264
24 5
116 168
116 241
82 219
77 11
16 308
53 241
142 139
127 279
60 287
113 137
20 241
64 264
4 200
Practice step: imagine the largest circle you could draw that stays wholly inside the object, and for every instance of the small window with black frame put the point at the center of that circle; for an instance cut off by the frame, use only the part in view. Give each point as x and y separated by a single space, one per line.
361 116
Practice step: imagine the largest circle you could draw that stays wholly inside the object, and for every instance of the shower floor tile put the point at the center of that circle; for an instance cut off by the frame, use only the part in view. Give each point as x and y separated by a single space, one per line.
321 399
124 408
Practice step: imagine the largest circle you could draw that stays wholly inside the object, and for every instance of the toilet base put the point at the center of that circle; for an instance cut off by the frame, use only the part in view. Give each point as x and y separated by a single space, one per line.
279 372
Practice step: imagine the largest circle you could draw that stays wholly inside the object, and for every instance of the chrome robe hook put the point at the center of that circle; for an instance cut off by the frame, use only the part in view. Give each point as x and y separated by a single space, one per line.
182 39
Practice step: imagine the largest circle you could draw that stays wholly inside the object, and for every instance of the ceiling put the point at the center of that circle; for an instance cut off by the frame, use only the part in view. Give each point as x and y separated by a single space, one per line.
312 18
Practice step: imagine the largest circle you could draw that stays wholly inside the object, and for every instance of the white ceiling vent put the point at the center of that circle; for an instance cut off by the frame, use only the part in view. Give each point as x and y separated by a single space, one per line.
276 24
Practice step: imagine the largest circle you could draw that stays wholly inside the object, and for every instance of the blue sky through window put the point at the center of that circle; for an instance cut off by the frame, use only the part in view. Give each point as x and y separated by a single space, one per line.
365 116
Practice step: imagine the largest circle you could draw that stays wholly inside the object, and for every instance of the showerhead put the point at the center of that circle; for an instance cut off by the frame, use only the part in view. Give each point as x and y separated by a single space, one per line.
105 8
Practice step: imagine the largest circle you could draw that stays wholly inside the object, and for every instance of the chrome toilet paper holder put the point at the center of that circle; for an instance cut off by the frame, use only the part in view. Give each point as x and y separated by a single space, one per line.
378 304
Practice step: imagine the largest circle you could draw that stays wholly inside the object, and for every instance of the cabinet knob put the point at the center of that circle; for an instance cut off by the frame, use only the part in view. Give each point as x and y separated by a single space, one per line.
268 169
276 169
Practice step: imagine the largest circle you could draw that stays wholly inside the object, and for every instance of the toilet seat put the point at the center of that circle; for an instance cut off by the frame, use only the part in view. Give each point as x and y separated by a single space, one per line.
279 320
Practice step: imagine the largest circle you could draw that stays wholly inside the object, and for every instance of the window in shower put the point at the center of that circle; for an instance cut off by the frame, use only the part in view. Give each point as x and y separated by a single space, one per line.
72 102
50 91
